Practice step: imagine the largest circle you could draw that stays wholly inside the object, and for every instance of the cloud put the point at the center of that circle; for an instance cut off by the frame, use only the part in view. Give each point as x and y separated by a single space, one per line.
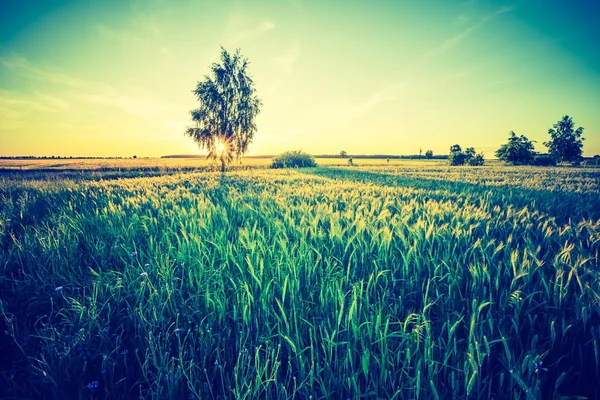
461 19
140 29
143 105
287 59
363 107
281 136
145 35
19 111
22 67
35 101
241 35
500 82
138 107
54 102
458 38
165 50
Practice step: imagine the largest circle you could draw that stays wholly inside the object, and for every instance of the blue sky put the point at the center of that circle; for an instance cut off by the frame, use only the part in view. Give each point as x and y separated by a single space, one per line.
115 77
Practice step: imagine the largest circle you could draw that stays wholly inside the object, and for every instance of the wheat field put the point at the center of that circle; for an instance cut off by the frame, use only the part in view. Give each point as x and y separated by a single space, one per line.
378 281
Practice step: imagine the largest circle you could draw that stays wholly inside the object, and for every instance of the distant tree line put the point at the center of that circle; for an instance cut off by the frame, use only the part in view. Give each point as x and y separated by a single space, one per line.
64 158
429 156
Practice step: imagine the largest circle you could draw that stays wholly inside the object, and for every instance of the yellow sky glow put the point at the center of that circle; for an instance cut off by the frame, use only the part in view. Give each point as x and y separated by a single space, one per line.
385 78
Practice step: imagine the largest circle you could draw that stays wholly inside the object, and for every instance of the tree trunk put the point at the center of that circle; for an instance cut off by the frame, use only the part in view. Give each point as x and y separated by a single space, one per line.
222 164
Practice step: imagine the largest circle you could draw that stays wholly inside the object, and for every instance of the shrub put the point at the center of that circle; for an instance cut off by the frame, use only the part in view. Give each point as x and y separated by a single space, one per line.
476 160
457 158
544 160
293 159
593 161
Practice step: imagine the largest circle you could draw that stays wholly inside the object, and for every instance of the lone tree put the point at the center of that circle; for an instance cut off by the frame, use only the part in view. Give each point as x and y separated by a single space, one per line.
343 154
518 151
566 143
224 122
429 154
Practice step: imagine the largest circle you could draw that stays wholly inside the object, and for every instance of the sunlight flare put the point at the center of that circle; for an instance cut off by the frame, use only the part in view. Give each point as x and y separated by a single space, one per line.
220 147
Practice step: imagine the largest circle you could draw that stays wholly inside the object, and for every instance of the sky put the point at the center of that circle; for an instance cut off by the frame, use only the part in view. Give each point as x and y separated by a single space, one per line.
115 77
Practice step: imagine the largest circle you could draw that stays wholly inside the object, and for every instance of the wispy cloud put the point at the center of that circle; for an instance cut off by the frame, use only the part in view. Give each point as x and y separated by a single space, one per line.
143 33
37 101
377 98
165 50
16 108
248 33
461 19
138 107
502 10
287 59
461 36
139 29
145 106
277 135
20 66
363 107
500 82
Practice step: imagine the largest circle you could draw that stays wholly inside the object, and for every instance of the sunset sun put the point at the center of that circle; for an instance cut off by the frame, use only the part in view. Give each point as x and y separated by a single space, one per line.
220 147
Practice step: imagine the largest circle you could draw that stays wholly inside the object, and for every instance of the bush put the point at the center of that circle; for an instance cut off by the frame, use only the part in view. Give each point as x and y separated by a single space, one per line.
544 160
293 159
477 160
457 158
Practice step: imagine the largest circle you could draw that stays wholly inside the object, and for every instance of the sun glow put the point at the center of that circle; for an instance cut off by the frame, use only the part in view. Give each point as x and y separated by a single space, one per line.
220 147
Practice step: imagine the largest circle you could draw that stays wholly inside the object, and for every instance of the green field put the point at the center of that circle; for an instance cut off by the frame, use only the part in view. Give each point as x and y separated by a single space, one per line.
390 282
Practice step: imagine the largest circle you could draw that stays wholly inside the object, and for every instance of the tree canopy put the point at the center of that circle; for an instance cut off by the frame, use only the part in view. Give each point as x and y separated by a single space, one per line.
469 156
224 124
566 142
518 151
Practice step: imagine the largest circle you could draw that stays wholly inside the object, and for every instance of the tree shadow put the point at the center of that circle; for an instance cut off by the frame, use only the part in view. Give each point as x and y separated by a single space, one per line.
563 206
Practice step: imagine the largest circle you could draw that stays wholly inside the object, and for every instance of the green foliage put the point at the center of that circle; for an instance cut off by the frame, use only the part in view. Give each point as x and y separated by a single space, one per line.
380 282
225 121
544 160
458 157
293 159
343 154
566 142
476 160
518 151
429 154
455 148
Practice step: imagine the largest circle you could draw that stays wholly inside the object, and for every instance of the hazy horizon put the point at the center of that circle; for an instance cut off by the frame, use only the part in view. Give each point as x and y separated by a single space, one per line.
115 78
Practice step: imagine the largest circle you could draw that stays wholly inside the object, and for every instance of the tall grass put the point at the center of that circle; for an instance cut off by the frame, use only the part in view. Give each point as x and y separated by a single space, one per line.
377 282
